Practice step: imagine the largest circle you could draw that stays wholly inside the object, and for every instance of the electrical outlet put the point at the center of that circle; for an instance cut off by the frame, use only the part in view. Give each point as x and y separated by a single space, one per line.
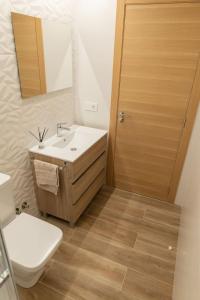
91 106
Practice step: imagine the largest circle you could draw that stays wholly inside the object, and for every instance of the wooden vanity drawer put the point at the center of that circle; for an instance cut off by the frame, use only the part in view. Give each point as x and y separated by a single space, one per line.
89 194
83 163
80 186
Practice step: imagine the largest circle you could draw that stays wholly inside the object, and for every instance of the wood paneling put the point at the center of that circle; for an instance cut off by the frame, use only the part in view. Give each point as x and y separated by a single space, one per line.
114 253
157 85
30 55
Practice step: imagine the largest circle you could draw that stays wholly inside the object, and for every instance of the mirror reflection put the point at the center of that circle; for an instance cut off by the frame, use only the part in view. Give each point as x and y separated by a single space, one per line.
44 54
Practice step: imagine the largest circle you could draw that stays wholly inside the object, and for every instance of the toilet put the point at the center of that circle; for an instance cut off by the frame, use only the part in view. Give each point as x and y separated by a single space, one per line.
30 241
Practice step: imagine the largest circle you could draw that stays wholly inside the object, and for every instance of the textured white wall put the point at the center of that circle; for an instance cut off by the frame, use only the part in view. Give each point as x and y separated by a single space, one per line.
187 275
17 116
94 39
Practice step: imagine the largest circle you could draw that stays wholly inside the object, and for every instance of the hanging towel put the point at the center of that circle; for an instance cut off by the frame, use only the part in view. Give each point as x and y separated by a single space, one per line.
47 176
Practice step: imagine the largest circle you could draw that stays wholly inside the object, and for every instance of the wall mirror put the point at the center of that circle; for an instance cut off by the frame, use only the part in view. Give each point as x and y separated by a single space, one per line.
44 54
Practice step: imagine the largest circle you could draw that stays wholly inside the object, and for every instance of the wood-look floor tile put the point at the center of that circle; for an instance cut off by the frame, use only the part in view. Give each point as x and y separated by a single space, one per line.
113 196
162 217
77 285
40 292
107 229
145 288
152 266
91 264
163 240
148 202
126 219
155 249
127 256
117 203
101 245
117 251
164 234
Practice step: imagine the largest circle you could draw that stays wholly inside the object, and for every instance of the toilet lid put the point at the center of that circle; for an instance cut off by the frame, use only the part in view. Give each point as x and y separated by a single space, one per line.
30 241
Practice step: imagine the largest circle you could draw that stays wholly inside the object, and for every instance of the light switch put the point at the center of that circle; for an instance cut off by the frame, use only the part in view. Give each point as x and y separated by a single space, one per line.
91 106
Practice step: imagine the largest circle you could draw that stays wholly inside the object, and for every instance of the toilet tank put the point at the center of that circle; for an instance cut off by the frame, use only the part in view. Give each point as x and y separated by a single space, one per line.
7 206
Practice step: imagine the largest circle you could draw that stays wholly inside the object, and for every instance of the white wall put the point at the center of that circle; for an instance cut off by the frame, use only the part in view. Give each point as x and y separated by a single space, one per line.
17 116
93 60
187 275
94 43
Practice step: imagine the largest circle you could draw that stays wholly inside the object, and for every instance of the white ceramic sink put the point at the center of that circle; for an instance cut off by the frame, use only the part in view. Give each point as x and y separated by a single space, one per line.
72 144
65 141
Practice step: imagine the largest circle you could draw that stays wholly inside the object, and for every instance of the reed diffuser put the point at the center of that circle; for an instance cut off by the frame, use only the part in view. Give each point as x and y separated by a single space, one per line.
41 134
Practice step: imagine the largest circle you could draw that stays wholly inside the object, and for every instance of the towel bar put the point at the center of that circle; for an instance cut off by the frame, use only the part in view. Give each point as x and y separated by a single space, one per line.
61 168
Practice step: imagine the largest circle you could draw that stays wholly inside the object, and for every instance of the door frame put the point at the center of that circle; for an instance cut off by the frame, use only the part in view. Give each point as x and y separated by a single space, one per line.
191 110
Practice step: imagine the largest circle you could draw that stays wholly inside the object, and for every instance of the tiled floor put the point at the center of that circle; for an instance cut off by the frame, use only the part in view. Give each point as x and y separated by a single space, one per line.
118 250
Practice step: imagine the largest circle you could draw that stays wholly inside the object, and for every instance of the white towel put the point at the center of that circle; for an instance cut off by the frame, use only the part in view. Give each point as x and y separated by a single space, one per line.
47 176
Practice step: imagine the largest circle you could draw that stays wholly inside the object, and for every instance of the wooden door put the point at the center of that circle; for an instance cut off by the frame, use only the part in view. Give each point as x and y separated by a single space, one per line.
155 90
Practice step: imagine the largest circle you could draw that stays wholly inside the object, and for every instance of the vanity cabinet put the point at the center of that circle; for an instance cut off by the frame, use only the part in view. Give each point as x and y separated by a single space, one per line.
79 182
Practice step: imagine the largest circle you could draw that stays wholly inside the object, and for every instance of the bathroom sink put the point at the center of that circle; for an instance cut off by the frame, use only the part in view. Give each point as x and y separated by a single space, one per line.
77 139
64 141
72 144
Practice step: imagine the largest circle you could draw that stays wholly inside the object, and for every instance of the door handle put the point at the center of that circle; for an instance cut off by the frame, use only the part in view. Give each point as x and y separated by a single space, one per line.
4 277
121 116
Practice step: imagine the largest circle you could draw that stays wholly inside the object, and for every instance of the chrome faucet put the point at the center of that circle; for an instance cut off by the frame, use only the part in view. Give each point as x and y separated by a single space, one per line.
60 127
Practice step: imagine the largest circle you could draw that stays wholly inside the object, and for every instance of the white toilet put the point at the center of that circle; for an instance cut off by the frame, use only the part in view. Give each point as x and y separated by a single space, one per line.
30 241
